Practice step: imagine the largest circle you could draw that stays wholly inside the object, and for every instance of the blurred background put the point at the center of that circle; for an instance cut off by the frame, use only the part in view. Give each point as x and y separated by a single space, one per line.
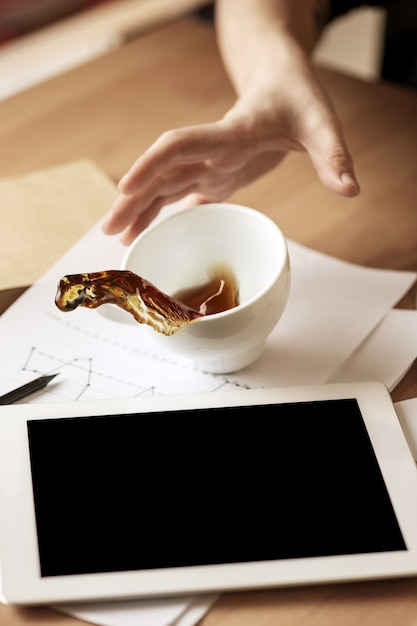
40 38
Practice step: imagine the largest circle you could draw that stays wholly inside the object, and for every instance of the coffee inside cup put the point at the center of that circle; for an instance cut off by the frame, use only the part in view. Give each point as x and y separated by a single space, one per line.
219 293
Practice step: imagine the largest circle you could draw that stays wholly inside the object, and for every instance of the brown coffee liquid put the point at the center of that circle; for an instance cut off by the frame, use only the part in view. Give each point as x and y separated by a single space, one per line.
219 293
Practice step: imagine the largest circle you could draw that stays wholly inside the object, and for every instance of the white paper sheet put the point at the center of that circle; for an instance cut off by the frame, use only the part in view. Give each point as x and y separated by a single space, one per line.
183 611
197 609
386 354
332 308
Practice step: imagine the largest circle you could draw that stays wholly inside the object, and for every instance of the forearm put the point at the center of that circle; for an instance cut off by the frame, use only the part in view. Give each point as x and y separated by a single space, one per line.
255 36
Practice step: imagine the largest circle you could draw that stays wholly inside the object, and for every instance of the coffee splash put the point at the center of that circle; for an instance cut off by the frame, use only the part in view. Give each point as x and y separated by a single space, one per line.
145 302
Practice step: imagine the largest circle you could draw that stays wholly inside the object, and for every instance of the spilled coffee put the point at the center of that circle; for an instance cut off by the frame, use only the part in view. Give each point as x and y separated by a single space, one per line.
145 302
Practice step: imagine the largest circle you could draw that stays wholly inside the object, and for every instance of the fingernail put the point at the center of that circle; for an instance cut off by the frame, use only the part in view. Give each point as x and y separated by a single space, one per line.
348 179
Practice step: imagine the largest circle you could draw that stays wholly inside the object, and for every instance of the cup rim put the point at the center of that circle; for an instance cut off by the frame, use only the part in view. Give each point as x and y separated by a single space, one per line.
180 213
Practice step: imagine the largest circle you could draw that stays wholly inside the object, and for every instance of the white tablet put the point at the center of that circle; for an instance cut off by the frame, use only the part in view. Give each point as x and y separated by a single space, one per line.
205 492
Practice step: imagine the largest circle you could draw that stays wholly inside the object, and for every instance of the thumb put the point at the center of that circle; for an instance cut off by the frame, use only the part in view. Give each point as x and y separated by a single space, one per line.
334 166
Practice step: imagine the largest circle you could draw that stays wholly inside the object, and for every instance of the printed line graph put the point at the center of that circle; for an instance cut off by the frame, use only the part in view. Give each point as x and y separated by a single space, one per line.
99 359
79 373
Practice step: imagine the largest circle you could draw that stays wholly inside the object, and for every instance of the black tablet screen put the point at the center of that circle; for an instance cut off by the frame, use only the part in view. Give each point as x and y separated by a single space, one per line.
207 486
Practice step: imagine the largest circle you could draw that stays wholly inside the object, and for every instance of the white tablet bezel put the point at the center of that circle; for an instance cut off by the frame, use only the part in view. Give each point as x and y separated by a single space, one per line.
22 584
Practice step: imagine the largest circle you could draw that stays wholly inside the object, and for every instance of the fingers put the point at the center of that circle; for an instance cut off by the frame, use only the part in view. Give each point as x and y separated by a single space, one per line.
338 175
179 163
194 199
143 219
127 208
335 170
174 148
130 215
330 156
140 222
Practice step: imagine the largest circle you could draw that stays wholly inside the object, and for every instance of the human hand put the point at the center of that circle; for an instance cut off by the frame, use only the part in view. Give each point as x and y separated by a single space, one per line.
201 164
208 162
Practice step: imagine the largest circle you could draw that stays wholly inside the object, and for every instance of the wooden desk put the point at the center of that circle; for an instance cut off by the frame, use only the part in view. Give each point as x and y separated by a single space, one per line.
113 108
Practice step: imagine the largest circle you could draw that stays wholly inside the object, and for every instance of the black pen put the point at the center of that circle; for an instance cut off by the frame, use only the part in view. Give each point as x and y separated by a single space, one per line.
26 390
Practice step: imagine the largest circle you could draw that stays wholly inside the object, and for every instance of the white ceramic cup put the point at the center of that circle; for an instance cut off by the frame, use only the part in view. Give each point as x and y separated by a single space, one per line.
179 252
